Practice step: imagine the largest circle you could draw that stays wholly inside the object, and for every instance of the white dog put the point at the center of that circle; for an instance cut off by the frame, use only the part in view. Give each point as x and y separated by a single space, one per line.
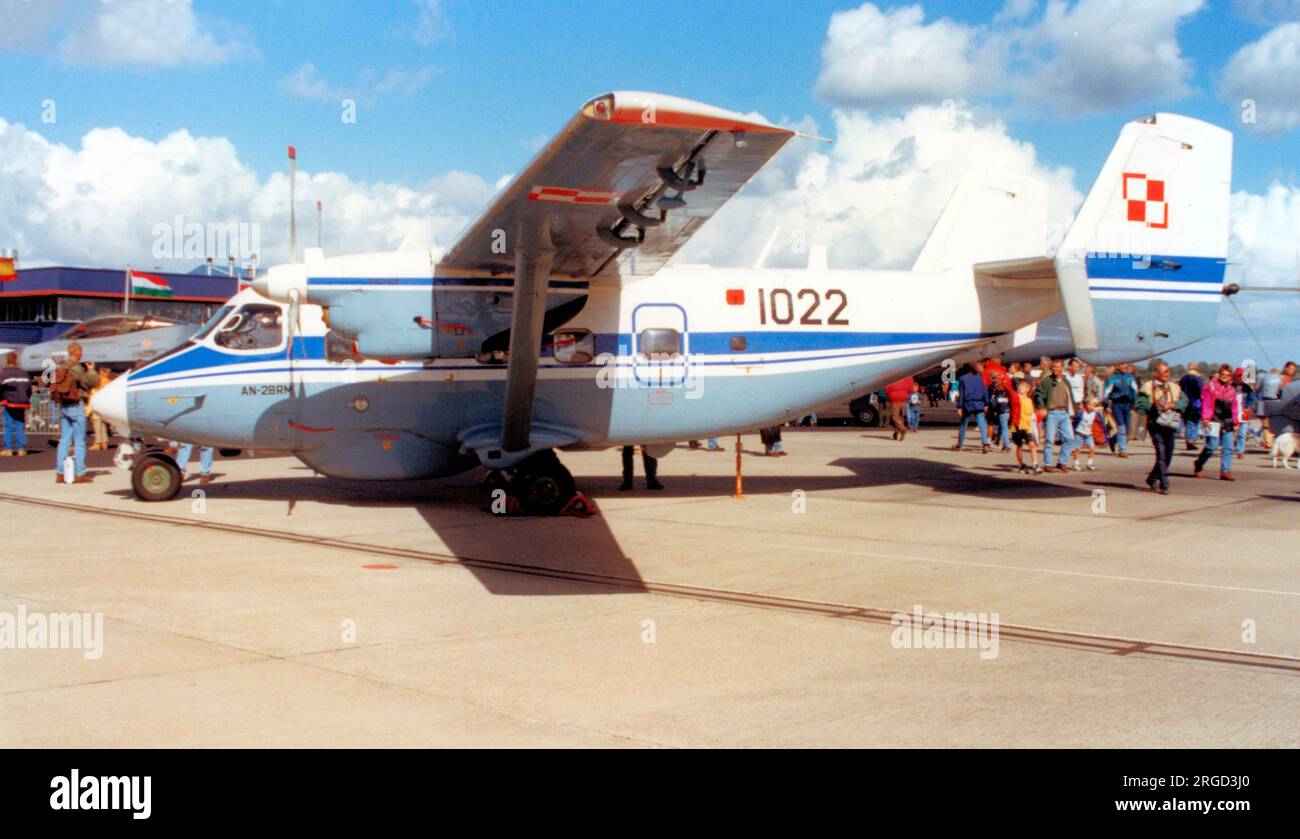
1285 446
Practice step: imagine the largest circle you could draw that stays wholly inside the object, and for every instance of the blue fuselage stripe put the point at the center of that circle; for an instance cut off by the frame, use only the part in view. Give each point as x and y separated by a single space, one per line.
198 363
1160 269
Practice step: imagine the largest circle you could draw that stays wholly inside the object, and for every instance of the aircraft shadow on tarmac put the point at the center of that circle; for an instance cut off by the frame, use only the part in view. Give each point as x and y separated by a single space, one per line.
544 555
581 556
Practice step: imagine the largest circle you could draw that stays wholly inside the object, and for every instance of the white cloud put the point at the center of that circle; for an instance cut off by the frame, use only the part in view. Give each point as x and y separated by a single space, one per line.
886 59
432 24
1094 55
1267 72
149 33
1104 54
1263 250
874 196
1265 239
307 83
97 204
31 27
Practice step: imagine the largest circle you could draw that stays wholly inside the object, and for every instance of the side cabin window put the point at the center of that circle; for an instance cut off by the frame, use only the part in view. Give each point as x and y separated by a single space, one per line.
255 326
574 346
660 344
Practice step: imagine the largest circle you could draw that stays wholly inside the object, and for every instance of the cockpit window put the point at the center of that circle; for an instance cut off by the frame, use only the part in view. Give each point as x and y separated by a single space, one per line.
255 326
101 327
213 322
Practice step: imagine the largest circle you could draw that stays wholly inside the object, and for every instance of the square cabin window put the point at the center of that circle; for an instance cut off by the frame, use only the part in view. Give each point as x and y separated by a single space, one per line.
660 344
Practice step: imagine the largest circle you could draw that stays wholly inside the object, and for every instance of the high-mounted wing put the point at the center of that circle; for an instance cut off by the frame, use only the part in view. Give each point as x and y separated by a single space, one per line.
621 188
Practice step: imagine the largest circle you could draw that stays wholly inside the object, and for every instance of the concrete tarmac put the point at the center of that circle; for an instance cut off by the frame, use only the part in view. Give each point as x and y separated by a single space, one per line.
279 608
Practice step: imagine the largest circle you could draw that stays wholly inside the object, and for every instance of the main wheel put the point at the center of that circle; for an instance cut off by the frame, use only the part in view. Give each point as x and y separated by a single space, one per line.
542 484
864 413
155 477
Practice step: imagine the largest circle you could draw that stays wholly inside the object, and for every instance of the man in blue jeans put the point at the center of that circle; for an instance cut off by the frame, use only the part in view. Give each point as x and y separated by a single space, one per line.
1190 384
972 401
15 399
1055 396
1121 392
183 454
73 382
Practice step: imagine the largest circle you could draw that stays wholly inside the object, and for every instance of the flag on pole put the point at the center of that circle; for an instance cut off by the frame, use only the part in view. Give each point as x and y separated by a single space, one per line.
293 153
7 271
149 285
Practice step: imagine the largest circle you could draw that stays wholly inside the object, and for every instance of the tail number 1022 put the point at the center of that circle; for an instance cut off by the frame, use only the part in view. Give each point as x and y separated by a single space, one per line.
781 305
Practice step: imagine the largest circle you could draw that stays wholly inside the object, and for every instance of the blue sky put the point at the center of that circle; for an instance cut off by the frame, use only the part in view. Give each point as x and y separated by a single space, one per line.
504 74
446 86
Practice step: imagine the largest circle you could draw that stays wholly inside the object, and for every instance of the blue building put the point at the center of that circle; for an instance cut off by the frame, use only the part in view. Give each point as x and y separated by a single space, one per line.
42 303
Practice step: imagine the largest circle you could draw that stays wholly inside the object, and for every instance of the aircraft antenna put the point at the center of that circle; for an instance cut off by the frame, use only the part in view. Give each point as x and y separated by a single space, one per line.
293 216
767 248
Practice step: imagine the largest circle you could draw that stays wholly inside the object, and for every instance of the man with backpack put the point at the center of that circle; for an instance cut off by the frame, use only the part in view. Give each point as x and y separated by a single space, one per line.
73 382
1121 391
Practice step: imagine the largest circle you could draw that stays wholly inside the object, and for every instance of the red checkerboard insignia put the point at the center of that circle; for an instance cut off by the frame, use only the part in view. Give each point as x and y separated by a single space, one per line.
564 195
1144 200
735 297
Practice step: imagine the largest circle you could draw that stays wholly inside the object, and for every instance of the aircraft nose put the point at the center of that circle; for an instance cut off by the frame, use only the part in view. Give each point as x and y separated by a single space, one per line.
110 402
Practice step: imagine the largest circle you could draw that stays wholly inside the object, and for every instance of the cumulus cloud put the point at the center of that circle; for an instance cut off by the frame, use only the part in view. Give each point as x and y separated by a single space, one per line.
98 204
31 27
1094 55
150 34
873 58
1104 54
873 197
1263 250
307 83
1267 72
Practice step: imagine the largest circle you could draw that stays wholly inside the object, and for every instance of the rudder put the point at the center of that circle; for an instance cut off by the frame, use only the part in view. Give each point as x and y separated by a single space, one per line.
1141 269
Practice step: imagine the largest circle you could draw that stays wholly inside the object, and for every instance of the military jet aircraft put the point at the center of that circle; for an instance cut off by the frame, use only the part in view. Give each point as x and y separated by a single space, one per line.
116 341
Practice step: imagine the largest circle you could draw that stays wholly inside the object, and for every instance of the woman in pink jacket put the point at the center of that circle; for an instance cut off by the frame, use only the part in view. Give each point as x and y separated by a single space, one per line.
1219 404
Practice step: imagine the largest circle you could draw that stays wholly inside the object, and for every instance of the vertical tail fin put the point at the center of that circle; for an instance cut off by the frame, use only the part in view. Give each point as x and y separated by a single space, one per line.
1141 268
990 216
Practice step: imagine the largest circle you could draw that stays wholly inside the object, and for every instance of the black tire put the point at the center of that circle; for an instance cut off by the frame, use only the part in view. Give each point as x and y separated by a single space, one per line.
230 452
864 413
155 477
542 485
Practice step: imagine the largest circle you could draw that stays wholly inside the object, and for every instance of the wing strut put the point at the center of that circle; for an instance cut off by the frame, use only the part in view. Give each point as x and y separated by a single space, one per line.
533 255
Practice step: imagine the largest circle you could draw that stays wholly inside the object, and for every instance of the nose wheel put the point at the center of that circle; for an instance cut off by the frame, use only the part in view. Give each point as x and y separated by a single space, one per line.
155 477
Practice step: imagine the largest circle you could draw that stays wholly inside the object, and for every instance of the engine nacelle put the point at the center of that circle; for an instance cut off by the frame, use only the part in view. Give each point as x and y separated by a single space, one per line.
387 326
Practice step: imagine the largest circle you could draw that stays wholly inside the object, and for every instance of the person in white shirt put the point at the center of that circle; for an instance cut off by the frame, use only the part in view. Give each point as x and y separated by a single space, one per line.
1083 432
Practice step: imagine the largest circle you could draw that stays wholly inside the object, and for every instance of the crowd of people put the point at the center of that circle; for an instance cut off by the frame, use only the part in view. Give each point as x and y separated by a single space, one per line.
70 388
1065 410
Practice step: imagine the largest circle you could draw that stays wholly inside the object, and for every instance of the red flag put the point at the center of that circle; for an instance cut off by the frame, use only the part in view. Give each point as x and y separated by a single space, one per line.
7 272
293 153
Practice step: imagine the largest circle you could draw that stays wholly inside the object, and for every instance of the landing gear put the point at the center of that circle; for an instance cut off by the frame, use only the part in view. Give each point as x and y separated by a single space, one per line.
542 484
538 486
155 477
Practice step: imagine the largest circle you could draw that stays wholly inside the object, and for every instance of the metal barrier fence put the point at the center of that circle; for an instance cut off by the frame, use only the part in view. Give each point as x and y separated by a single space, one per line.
43 416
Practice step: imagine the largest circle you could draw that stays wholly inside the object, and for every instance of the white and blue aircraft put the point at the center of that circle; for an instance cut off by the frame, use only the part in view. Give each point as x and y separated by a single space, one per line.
554 321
